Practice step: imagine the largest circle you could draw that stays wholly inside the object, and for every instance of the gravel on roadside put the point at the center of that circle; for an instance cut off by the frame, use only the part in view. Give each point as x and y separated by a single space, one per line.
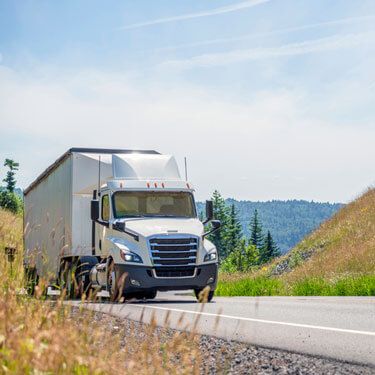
230 357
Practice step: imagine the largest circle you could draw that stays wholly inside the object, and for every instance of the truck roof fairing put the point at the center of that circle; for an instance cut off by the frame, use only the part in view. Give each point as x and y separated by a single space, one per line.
72 150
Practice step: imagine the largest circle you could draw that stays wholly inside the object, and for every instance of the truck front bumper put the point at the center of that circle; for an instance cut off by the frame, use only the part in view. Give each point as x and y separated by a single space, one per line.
140 278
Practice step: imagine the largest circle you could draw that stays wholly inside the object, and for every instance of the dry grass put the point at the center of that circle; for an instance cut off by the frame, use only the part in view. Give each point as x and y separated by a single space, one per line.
339 257
41 336
346 244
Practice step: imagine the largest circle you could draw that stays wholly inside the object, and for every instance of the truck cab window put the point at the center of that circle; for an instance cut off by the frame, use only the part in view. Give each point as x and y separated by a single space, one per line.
153 204
105 208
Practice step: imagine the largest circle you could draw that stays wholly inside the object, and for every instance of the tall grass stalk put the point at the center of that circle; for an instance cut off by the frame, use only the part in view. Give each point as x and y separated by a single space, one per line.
38 335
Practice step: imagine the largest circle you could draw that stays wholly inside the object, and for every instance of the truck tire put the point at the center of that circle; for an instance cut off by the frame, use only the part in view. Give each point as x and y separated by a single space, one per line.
112 284
200 298
66 281
146 295
84 267
31 280
151 295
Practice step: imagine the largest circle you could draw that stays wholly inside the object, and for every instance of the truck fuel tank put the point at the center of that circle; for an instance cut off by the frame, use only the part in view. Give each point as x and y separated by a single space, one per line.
98 275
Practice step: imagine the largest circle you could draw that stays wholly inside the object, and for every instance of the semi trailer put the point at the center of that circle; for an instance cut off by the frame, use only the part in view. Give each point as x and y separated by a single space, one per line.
122 221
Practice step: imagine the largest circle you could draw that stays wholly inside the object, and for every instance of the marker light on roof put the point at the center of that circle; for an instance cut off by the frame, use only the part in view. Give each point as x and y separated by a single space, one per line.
148 184
155 184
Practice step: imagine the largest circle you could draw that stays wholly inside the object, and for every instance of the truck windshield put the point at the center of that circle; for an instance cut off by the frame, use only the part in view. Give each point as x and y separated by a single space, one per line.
153 203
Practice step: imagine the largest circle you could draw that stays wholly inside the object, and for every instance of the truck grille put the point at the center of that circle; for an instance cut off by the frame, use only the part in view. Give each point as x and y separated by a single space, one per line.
174 252
175 272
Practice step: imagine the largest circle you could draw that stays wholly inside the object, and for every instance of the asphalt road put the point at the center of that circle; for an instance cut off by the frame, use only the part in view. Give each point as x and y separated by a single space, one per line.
341 328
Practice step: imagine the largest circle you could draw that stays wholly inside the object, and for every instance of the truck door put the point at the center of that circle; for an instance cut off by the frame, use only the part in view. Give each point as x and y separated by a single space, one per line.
105 212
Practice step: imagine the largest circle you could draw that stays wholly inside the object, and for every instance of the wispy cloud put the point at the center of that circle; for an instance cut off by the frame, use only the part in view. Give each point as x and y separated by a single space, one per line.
227 9
311 46
36 105
287 30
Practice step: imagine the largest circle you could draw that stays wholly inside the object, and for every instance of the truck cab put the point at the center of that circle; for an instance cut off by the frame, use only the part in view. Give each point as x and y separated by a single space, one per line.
148 235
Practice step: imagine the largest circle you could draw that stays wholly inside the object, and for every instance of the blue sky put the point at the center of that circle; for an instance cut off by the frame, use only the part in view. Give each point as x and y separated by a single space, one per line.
268 99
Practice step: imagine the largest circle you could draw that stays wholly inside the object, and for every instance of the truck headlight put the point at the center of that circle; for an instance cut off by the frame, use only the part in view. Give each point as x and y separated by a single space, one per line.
209 257
129 256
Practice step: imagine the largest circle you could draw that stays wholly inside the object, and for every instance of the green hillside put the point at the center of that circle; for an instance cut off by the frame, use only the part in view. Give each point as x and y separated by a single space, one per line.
336 259
288 221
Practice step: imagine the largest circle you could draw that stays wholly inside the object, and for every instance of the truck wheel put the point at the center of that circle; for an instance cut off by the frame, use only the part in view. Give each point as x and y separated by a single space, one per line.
83 280
146 295
151 295
112 285
201 298
66 281
31 281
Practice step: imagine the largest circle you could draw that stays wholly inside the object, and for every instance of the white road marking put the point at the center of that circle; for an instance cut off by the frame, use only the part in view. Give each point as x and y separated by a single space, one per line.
342 330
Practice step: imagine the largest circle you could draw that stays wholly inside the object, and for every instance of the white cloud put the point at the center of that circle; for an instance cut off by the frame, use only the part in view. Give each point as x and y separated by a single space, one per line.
226 9
236 144
343 21
292 49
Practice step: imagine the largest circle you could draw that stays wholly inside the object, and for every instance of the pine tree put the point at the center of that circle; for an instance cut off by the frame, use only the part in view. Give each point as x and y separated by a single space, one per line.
256 236
233 233
220 213
269 249
8 199
242 259
251 256
9 179
235 261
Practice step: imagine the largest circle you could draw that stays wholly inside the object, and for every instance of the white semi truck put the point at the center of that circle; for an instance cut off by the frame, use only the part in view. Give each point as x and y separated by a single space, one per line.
117 220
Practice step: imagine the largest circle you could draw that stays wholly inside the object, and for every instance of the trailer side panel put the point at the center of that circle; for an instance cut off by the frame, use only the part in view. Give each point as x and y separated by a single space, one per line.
48 220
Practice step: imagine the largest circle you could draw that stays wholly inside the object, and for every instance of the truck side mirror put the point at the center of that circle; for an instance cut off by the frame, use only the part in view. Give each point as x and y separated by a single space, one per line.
120 226
94 210
216 224
209 211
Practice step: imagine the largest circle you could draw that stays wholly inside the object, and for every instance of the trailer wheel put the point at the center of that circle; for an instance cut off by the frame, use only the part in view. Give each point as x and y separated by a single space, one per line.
66 279
202 296
31 281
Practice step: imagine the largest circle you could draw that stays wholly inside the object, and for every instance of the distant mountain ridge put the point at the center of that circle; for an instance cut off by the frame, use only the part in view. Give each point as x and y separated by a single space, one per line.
288 221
